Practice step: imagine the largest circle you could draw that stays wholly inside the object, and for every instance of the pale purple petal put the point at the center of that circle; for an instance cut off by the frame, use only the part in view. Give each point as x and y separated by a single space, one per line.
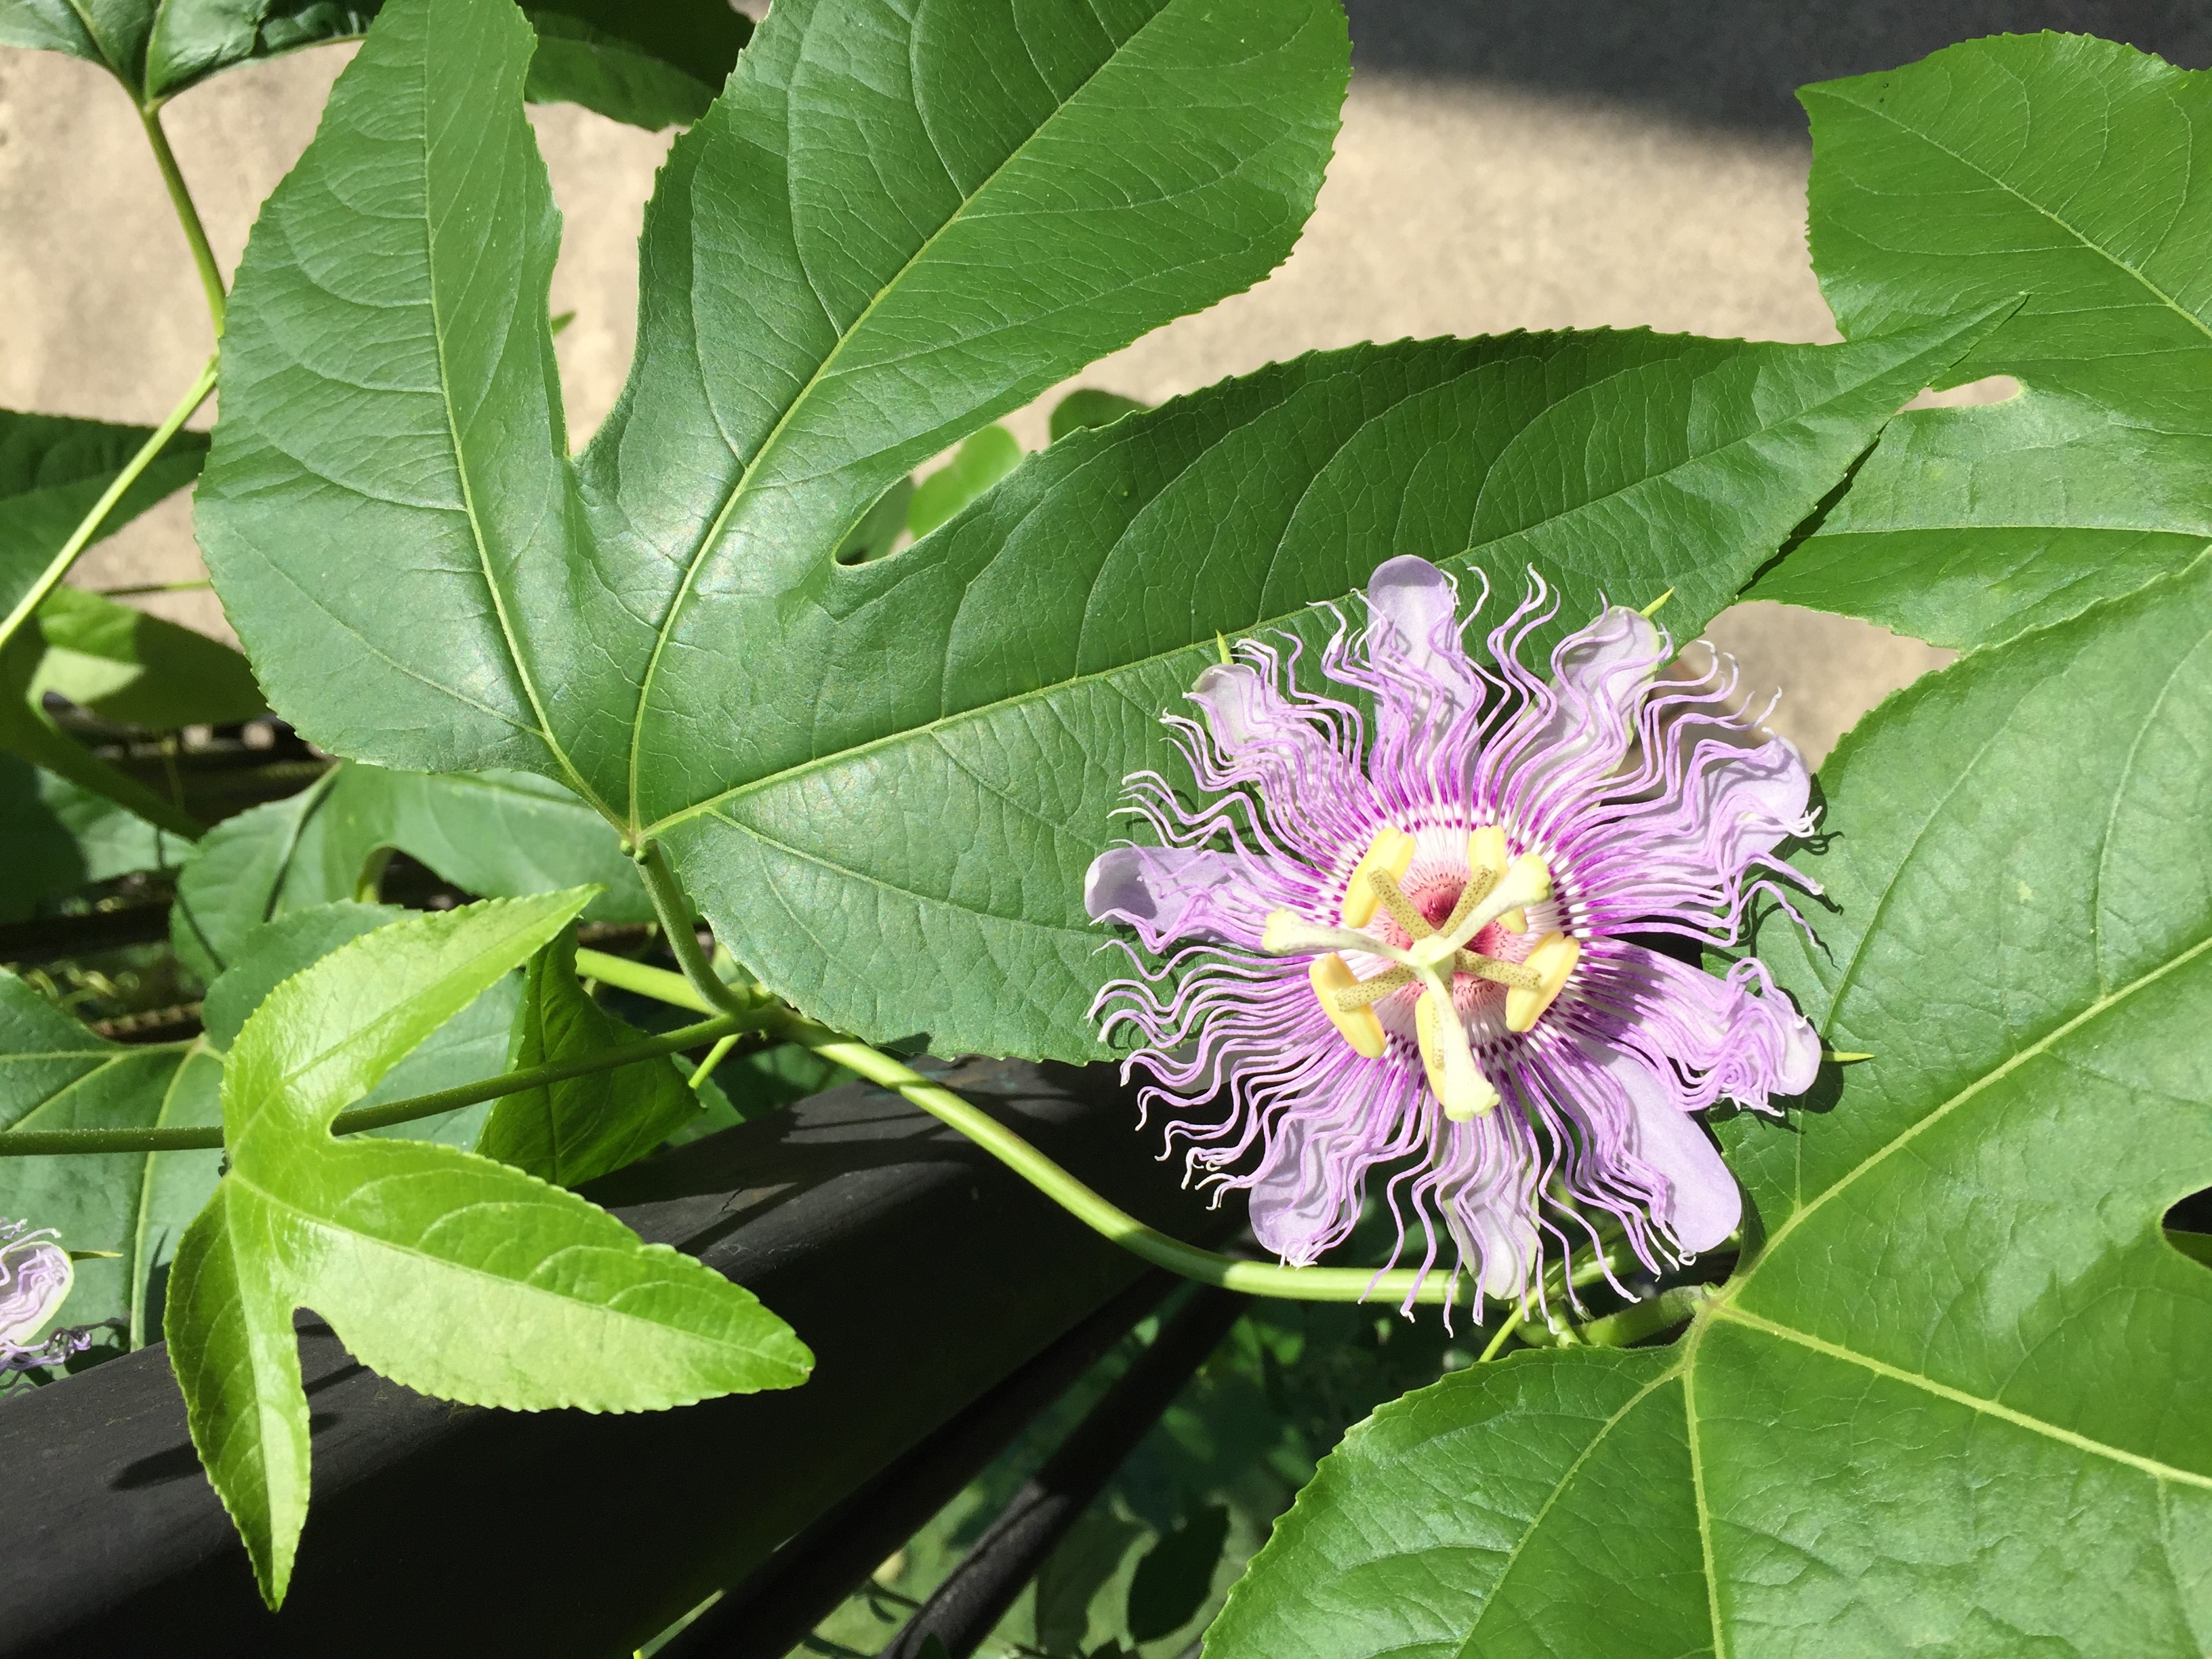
1701 1203
1723 1041
1427 679
1168 893
1577 736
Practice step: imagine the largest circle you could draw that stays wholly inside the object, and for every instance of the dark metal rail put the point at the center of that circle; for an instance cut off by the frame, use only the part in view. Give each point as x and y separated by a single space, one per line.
921 1273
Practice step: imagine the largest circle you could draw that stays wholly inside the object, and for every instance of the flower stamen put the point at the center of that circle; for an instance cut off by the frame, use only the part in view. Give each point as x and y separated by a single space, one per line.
1485 864
1337 990
1391 852
1549 964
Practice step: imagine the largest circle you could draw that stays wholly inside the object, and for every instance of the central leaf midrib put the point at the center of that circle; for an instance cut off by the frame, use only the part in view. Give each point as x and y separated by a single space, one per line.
1982 1405
929 728
415 1253
438 332
1976 168
2019 1058
713 534
1672 1373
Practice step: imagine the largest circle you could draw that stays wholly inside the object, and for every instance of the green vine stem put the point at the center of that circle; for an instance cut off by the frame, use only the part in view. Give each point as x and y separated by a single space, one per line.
88 526
34 1143
656 983
1107 1219
673 906
188 216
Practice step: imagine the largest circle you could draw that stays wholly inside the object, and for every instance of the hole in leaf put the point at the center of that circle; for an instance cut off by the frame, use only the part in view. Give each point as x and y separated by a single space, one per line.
2188 1227
1989 389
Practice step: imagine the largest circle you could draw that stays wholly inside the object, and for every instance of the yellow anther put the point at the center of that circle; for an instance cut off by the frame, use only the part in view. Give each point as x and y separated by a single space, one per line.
1392 853
1332 976
1553 960
1459 1085
1485 865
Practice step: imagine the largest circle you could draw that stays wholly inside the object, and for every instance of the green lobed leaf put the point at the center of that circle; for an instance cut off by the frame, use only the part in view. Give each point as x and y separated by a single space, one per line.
157 48
874 248
1950 1405
2061 168
55 1074
882 780
973 706
60 838
441 1270
498 833
569 1133
649 65
272 953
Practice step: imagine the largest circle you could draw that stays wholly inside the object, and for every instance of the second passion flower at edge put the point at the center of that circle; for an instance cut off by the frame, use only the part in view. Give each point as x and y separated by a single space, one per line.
1421 950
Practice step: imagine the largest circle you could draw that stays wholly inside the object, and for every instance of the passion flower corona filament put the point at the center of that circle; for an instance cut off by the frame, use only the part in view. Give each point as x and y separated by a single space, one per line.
1430 952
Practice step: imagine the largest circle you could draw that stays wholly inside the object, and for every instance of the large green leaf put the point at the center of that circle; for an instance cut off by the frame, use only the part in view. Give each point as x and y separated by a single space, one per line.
157 48
443 1271
54 1074
973 711
498 834
2062 168
866 250
60 837
1952 1404
883 780
568 1133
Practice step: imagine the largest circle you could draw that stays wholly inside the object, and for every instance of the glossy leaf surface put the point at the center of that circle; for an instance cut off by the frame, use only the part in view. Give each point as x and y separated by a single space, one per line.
882 780
863 252
1951 1404
55 1074
973 716
441 1270
157 48
2060 168
568 1133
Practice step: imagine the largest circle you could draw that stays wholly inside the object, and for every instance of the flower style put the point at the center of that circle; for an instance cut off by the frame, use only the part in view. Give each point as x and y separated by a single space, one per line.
35 1275
1441 960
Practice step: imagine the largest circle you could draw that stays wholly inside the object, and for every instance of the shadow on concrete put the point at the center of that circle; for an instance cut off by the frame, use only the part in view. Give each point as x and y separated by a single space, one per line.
1728 63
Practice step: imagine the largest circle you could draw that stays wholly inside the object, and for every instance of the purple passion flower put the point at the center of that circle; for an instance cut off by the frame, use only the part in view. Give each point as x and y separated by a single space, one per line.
35 1275
1423 952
